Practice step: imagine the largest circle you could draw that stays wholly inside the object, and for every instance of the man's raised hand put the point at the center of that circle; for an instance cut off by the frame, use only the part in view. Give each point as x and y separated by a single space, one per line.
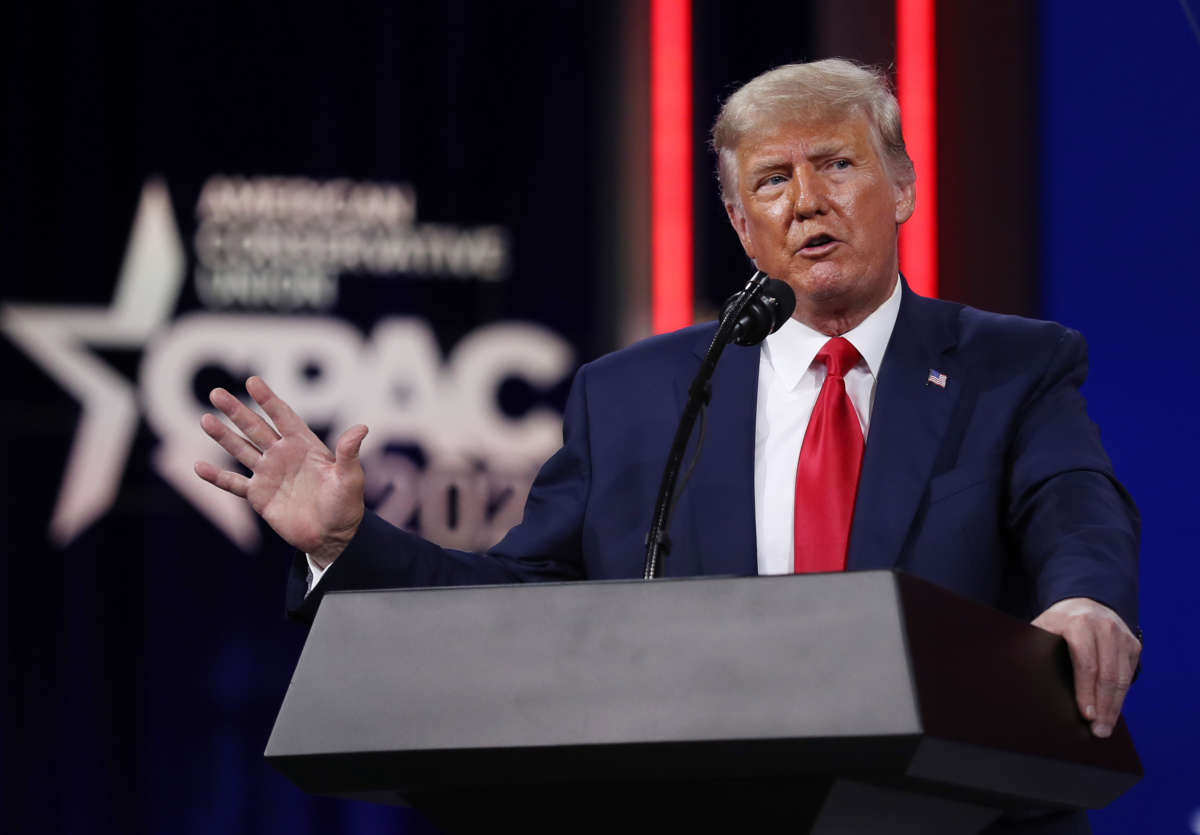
311 497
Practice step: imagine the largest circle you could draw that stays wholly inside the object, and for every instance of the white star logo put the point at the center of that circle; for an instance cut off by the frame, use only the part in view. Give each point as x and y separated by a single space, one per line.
59 336
454 418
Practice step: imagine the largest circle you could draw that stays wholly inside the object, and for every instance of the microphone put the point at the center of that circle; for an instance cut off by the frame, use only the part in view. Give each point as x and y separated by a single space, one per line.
764 312
760 308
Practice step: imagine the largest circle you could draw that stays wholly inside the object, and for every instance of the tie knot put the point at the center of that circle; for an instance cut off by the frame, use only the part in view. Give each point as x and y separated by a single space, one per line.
839 356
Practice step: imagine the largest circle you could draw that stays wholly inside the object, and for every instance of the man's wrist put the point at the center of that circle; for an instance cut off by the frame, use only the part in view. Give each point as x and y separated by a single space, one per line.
323 555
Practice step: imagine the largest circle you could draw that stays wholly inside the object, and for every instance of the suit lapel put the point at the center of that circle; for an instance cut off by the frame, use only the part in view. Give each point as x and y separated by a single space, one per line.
717 508
908 422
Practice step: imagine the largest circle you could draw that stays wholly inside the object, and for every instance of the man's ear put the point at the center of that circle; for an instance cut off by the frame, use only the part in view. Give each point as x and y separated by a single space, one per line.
737 219
906 201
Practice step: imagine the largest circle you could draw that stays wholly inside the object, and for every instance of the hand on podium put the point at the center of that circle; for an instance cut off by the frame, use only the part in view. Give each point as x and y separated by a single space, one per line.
310 496
1104 656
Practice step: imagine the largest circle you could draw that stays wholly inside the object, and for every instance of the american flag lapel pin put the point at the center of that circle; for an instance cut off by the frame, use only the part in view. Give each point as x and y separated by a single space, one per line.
937 378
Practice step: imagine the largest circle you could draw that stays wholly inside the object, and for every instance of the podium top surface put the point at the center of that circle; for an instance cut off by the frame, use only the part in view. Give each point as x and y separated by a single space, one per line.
687 662
602 663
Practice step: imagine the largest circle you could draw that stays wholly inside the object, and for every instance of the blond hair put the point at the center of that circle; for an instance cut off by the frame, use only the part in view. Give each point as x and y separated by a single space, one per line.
832 87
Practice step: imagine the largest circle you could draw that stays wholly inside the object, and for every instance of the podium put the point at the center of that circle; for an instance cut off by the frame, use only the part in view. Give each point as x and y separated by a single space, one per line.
832 703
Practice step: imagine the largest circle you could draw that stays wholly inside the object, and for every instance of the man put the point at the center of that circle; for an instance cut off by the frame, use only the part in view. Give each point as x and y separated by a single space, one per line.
875 429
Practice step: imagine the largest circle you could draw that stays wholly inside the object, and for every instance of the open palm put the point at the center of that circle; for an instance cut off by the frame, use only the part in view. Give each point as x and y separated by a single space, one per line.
310 496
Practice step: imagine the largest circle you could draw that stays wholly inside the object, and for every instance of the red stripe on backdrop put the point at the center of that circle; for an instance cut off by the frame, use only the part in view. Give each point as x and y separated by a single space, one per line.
916 87
671 164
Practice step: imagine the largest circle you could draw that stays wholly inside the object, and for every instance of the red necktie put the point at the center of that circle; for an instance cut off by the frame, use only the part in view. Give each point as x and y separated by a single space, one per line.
827 472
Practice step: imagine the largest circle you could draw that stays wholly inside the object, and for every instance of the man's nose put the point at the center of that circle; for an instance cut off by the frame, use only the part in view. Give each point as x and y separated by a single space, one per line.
809 199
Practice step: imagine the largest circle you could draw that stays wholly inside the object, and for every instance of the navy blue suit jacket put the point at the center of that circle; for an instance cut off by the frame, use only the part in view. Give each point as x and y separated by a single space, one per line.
995 486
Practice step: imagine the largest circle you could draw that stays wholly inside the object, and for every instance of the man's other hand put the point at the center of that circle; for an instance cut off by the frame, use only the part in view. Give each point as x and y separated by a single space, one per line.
1104 655
311 497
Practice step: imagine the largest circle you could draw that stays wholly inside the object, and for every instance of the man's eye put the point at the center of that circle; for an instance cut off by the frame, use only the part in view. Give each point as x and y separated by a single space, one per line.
775 180
841 164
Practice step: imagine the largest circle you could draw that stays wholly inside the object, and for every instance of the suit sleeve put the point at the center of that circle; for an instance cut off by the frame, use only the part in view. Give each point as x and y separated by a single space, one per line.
544 546
1075 526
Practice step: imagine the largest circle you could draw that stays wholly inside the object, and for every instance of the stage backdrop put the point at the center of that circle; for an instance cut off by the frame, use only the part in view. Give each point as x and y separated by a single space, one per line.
1120 117
397 214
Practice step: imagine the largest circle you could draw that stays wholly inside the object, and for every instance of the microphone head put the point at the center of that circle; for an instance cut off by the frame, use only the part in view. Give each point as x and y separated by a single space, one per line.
763 314
782 299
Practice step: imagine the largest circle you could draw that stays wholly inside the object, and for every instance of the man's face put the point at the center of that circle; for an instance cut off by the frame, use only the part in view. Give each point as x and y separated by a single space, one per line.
819 210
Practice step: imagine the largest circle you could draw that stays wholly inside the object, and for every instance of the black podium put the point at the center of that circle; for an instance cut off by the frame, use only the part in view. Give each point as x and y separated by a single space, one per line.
834 703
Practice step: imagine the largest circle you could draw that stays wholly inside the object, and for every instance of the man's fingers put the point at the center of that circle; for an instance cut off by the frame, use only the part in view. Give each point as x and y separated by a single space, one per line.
1104 655
245 452
288 422
1082 644
260 433
233 483
1125 667
1115 675
348 444
1106 682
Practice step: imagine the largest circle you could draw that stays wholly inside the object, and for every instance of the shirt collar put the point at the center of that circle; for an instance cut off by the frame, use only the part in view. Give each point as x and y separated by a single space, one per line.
792 349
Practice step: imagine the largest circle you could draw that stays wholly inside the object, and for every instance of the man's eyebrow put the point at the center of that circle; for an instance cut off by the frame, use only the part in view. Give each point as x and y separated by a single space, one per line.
828 149
769 163
823 150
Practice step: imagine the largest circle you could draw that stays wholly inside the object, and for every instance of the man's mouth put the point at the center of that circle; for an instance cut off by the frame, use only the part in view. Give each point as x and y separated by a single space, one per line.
818 244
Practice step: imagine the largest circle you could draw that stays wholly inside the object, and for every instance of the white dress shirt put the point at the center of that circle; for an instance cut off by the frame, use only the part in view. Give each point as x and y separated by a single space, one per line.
315 573
789 380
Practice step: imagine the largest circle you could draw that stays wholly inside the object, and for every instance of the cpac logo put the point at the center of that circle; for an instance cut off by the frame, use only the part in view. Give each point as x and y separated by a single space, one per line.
479 460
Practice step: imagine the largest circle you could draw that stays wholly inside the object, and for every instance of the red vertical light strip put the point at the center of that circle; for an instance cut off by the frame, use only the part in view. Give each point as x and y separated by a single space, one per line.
671 164
916 87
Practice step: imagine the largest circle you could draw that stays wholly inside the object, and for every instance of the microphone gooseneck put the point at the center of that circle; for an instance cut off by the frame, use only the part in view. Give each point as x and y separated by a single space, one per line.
747 317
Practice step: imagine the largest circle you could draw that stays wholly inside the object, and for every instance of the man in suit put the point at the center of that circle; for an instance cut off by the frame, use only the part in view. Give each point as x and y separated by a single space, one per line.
874 429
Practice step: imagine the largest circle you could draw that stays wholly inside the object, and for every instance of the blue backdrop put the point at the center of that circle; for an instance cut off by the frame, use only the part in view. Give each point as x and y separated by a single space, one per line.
1120 242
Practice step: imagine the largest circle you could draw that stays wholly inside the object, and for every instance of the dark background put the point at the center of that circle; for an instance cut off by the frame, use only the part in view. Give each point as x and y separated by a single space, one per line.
146 658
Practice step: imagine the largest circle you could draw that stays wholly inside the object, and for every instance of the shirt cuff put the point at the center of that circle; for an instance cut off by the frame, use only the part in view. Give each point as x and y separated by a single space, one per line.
315 573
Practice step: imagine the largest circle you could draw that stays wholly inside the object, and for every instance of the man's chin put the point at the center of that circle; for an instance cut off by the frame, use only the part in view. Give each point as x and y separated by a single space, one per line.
831 289
822 290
